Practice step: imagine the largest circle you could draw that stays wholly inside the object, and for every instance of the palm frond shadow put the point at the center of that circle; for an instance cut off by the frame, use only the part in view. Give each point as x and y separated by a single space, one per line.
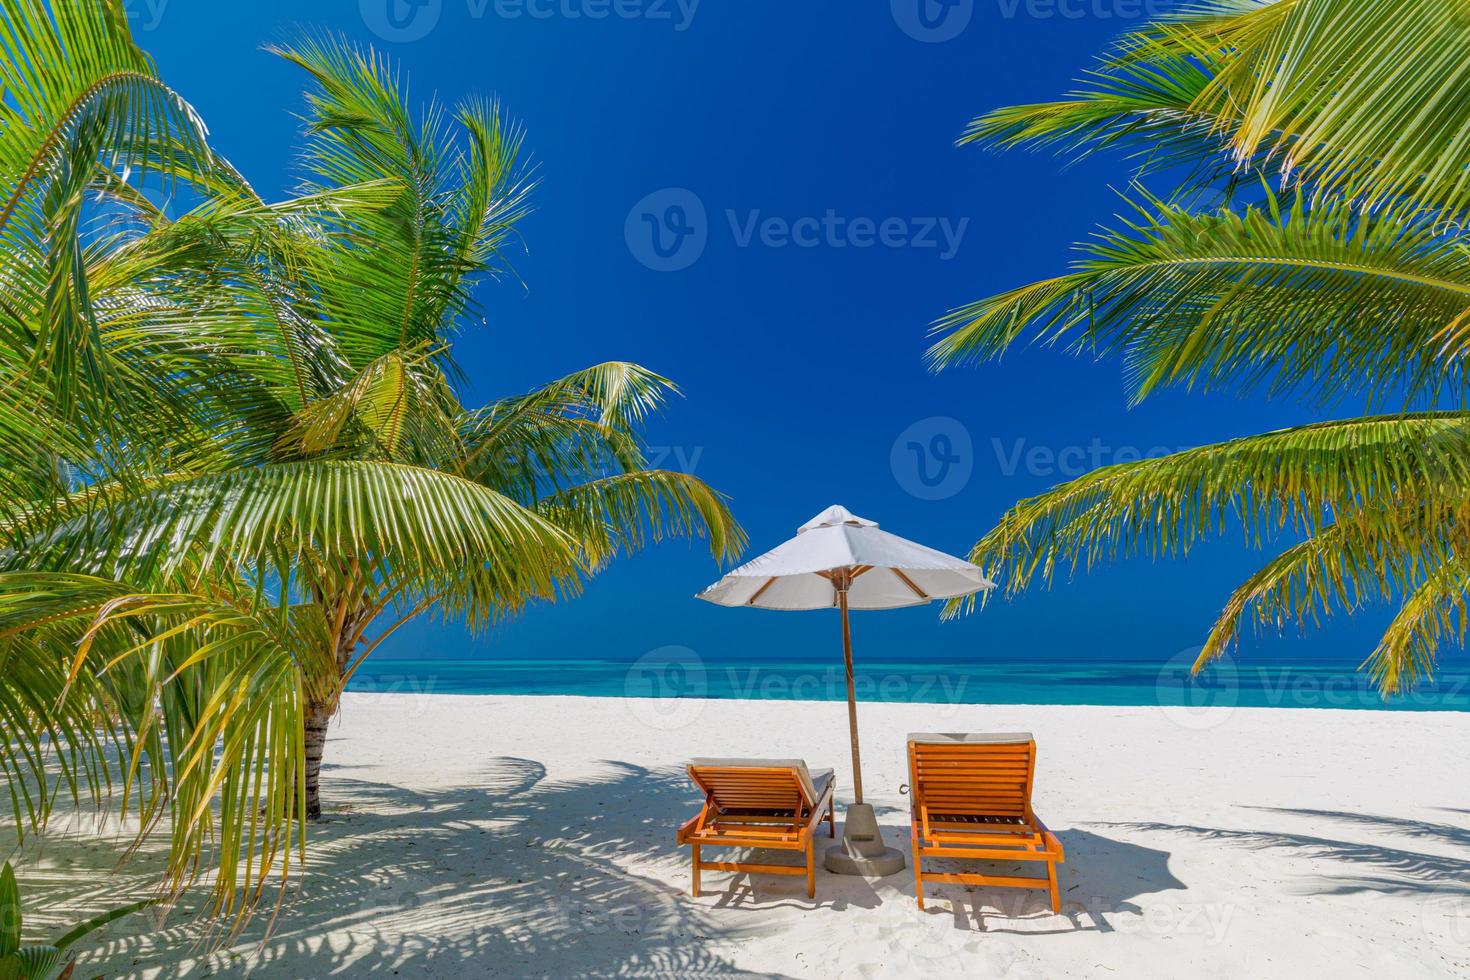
533 875
1368 867
537 877
1441 833
569 877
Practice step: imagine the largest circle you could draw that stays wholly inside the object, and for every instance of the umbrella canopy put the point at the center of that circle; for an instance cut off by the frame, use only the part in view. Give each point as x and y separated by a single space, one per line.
841 561
884 570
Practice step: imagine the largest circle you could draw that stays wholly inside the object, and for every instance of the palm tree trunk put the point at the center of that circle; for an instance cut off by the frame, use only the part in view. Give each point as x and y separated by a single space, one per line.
317 718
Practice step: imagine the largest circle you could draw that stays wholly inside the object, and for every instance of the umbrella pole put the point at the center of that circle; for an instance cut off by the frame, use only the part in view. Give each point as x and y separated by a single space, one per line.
862 851
857 766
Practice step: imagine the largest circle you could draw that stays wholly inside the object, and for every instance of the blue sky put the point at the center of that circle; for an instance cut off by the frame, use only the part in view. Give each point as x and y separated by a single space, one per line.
824 218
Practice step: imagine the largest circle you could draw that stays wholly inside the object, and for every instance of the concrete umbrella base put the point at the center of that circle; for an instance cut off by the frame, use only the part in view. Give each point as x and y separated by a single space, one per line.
862 851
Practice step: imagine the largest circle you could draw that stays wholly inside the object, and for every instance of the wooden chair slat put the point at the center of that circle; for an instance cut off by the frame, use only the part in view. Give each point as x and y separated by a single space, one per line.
761 807
972 800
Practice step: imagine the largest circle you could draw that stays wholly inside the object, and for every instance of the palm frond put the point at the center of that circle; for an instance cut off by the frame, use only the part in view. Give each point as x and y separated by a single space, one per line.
620 514
397 519
1348 563
80 94
1373 129
1330 300
398 408
1144 106
184 700
555 435
1431 614
252 447
401 277
1299 480
1354 97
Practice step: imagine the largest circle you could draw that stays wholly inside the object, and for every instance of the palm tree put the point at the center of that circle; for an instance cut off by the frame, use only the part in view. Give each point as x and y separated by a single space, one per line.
109 374
255 466
1314 246
389 288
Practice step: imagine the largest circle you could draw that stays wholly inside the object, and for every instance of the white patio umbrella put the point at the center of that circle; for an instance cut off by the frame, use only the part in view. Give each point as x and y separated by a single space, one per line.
840 561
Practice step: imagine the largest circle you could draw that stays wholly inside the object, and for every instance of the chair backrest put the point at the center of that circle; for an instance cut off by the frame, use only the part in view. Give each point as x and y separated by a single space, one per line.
756 784
972 774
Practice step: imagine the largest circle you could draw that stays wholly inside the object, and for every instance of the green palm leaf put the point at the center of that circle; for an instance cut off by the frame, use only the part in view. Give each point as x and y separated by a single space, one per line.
1351 280
254 450
619 514
404 273
1332 300
1367 556
1432 613
79 93
1355 97
1298 479
207 686
399 519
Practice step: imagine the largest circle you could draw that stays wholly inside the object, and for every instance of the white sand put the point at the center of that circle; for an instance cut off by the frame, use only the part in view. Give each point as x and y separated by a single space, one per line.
504 836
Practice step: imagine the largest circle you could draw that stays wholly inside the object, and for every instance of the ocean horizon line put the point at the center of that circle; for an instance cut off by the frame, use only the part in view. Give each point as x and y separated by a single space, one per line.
672 674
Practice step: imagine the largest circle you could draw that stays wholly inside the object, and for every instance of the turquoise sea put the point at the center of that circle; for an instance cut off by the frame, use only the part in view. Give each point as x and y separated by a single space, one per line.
676 672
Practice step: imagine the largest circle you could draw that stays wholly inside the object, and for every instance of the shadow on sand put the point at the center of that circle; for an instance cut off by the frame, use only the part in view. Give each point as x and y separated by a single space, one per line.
1367 867
516 874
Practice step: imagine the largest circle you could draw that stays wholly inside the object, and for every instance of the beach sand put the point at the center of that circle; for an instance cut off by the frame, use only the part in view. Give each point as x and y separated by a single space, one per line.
473 836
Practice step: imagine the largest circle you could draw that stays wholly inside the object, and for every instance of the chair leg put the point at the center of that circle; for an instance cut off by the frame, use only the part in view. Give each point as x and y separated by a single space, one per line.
918 876
1056 895
695 890
811 868
832 819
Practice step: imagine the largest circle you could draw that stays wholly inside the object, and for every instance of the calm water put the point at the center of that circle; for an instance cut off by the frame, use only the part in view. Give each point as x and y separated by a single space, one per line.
678 673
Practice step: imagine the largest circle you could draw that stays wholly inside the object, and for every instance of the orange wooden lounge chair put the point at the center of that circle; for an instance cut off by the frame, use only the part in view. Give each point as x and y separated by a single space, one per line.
764 803
972 800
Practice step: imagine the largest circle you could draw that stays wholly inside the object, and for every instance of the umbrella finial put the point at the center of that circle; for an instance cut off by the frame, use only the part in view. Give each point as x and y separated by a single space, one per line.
833 516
